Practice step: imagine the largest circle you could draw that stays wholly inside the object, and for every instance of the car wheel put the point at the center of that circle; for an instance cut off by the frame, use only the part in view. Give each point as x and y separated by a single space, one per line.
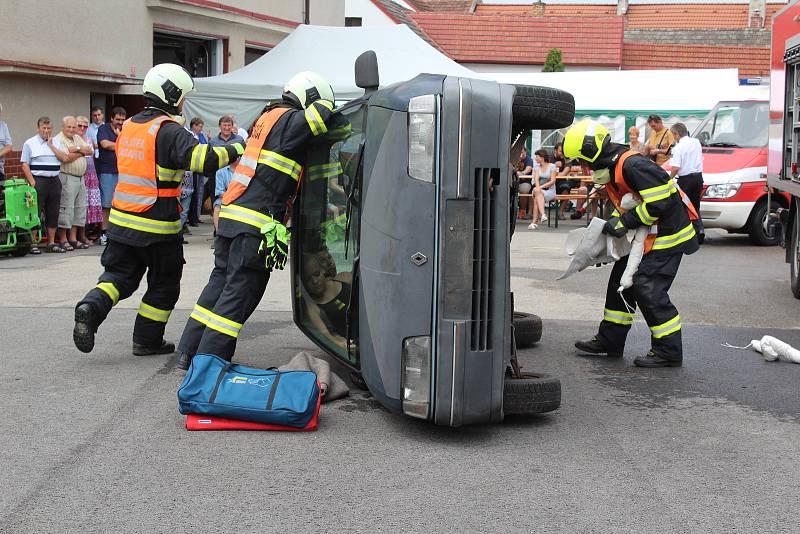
794 256
542 108
534 393
755 227
527 329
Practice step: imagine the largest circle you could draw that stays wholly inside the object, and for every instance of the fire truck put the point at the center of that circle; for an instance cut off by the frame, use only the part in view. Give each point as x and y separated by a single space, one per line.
783 176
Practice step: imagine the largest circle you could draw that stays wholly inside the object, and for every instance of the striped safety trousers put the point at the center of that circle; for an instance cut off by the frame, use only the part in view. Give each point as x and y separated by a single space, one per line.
125 266
649 291
232 293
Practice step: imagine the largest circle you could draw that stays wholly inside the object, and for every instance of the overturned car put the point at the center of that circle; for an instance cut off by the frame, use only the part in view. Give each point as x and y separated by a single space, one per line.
400 256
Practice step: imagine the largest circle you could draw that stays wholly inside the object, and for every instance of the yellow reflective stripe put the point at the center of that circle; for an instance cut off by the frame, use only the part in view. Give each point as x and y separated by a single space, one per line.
142 224
644 215
169 175
280 163
315 122
145 310
327 170
658 193
198 159
216 322
325 103
669 241
665 329
109 289
615 213
222 155
244 215
619 317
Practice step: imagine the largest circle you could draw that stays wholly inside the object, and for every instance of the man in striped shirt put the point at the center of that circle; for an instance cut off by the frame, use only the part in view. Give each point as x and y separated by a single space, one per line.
41 167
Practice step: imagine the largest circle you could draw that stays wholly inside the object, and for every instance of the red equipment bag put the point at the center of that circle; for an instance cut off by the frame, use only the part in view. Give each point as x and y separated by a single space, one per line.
206 422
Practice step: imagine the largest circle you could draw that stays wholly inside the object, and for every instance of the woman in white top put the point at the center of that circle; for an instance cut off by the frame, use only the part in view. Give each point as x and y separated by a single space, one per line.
544 190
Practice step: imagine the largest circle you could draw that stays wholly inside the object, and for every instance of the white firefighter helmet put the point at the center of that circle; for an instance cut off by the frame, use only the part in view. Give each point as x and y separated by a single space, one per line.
306 87
168 83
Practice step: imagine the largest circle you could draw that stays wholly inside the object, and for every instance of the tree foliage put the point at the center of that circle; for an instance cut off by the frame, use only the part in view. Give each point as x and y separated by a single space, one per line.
553 62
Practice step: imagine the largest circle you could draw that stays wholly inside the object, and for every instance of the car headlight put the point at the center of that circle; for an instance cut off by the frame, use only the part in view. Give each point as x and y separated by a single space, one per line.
722 190
416 383
421 137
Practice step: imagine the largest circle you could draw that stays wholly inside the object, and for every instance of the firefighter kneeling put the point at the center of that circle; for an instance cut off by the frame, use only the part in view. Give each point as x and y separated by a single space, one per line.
144 234
252 239
668 212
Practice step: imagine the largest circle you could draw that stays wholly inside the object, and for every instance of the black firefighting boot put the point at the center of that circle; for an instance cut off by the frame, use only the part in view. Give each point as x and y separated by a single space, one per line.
594 346
149 350
85 327
184 361
651 359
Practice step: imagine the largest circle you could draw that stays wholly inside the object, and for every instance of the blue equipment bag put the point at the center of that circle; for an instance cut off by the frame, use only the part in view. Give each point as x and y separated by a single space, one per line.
213 386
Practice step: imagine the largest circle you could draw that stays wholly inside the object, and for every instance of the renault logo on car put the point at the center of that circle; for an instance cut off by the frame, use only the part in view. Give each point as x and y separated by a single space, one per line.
419 259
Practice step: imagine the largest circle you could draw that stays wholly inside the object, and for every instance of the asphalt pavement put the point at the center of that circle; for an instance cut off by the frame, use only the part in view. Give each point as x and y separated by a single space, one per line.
94 443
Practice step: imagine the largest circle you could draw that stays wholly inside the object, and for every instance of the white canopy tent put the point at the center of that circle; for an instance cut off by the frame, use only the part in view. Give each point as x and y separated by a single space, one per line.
329 51
623 98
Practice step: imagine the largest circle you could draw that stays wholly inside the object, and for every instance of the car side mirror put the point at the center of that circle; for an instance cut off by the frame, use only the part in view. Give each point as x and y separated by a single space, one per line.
366 69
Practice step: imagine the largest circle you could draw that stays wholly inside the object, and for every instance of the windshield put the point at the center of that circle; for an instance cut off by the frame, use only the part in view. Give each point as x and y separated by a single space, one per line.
327 234
735 124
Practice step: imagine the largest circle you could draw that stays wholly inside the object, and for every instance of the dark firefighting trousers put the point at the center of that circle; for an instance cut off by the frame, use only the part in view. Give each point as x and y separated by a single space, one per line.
649 291
234 289
125 265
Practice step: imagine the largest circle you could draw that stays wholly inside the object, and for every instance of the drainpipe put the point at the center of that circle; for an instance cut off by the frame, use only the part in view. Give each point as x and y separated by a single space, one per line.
306 11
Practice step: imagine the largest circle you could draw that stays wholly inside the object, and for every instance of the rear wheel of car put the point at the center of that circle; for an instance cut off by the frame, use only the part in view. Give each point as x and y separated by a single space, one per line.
794 256
532 394
527 329
542 108
755 226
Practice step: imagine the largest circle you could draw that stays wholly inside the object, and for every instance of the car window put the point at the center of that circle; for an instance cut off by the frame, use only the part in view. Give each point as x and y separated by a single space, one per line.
327 236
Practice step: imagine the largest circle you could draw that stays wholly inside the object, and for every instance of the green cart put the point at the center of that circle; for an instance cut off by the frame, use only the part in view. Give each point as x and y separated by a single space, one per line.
19 217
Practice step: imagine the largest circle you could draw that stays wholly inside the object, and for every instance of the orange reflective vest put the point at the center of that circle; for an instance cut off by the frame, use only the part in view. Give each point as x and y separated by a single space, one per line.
138 186
615 194
246 168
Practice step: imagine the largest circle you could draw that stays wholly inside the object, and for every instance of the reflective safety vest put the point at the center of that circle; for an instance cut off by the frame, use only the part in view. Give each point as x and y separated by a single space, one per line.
653 240
141 180
254 154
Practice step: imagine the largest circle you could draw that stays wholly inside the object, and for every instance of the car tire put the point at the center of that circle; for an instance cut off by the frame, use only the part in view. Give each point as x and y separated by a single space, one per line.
794 257
532 394
755 226
527 329
542 108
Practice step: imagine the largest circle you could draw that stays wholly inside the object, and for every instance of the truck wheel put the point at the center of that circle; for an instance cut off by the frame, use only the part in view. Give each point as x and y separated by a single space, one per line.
535 393
542 108
755 226
527 329
794 256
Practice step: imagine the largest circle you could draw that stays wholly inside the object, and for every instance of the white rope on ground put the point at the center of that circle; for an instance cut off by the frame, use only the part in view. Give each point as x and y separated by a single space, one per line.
772 348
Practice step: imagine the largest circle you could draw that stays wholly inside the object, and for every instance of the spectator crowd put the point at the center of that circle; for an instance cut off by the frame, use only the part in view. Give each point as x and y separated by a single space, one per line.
72 164
546 175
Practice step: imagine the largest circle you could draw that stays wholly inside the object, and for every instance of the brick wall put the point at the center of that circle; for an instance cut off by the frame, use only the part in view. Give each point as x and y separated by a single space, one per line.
13 167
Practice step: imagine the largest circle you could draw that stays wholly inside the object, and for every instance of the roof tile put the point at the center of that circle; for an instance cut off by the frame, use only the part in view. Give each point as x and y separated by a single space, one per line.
507 39
750 61
689 15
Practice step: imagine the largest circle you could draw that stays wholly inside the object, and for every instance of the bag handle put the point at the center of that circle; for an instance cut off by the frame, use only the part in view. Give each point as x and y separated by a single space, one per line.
221 375
273 390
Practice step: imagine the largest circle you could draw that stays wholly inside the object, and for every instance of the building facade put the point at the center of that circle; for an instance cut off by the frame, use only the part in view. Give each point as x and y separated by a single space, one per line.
60 59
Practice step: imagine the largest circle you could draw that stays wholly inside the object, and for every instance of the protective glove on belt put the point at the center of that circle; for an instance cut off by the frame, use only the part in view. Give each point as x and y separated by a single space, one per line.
275 245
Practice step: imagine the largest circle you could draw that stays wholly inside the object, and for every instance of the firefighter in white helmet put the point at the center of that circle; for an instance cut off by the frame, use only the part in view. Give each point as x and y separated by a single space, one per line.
154 151
252 238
